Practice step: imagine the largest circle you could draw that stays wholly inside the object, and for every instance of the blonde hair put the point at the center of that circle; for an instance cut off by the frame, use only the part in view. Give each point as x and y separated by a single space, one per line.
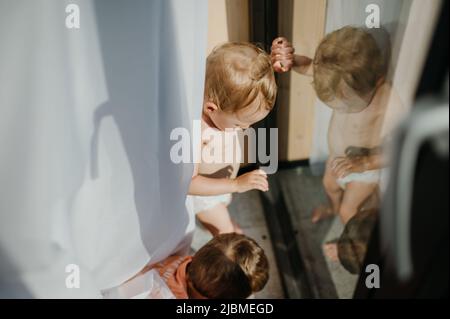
237 74
350 55
229 266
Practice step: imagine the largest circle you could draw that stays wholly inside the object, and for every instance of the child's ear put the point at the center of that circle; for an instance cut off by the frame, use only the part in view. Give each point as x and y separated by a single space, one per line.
210 107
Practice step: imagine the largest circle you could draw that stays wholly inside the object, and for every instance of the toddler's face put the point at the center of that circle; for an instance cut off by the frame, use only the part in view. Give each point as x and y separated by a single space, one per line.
241 119
352 104
350 101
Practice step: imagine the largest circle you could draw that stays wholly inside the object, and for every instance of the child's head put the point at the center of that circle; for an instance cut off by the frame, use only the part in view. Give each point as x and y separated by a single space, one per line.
348 67
240 86
228 266
352 245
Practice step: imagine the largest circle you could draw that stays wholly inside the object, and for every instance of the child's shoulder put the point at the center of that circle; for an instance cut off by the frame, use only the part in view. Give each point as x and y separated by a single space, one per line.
393 98
385 90
396 109
387 95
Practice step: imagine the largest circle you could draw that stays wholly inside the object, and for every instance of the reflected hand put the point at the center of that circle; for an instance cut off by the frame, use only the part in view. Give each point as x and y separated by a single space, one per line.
343 166
282 55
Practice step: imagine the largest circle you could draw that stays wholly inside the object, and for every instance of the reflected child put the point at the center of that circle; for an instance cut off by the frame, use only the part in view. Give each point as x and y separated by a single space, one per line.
349 72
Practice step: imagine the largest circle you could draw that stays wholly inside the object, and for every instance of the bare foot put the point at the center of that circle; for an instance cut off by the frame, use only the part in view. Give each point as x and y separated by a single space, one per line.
330 250
321 212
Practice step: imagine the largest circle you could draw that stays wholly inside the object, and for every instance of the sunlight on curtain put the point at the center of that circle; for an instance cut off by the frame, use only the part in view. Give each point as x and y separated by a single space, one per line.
86 115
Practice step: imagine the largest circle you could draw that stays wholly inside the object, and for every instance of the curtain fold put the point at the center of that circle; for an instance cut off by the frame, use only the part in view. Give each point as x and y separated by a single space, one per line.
86 116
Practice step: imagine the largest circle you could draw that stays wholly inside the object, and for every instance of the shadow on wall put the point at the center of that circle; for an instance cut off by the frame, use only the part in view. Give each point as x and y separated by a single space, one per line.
146 101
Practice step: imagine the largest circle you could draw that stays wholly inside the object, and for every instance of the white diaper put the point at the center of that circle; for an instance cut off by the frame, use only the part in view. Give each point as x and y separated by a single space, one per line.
368 177
202 203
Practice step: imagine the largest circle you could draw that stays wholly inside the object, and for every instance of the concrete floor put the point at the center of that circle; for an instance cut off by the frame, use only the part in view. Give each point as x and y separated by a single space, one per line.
344 281
303 192
247 211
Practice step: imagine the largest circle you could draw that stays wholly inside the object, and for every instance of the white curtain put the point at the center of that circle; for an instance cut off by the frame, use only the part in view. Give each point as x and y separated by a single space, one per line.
85 122
340 13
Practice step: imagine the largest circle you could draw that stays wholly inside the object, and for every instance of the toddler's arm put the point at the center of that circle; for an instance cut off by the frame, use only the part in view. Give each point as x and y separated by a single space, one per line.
206 186
284 59
343 166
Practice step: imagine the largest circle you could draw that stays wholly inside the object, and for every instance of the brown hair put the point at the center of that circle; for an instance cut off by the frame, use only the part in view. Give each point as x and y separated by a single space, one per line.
352 245
237 74
350 55
229 266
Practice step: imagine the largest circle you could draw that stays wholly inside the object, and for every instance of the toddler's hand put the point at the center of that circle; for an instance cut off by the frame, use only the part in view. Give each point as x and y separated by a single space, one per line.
282 55
256 179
